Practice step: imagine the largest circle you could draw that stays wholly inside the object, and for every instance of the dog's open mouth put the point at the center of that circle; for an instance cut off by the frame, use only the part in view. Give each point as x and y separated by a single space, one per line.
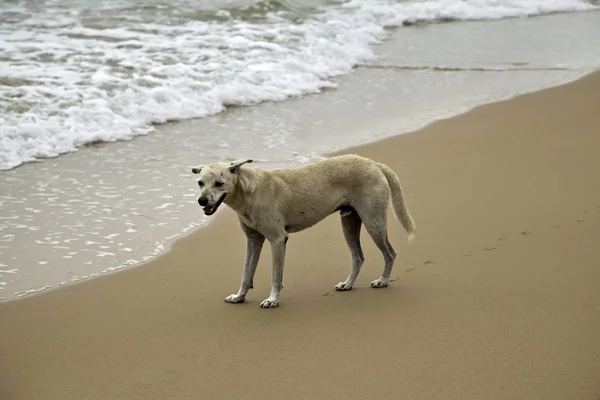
210 210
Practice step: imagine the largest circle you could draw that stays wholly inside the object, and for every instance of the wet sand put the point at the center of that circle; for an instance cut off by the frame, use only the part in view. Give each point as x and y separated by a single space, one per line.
497 298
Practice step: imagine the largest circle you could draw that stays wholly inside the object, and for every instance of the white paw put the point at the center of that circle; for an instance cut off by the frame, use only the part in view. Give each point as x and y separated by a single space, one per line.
343 286
378 283
235 298
269 303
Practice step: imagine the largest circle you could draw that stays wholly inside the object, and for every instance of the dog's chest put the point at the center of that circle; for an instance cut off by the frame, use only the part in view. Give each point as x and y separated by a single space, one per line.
245 218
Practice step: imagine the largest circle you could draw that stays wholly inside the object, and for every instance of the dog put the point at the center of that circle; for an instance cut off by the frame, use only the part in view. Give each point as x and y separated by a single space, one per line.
272 204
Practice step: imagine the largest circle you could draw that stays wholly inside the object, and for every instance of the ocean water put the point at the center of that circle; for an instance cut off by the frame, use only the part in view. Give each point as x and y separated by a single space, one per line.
81 72
167 82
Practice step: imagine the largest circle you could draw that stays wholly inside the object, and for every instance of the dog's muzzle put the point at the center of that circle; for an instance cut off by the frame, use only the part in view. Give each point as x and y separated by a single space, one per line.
210 210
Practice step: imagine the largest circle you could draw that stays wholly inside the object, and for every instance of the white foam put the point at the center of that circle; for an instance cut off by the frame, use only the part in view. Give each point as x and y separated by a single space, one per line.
31 291
71 85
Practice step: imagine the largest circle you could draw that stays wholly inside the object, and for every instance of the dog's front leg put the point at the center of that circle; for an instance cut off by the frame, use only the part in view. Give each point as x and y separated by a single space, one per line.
254 244
278 252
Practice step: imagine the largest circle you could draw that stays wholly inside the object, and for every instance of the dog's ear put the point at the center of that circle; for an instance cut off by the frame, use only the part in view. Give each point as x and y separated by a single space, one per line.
196 170
237 164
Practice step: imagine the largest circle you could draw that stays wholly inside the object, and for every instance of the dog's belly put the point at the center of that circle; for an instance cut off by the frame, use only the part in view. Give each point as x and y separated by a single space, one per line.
291 228
304 219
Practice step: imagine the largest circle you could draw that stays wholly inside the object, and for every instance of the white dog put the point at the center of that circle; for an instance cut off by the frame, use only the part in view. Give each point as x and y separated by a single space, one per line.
273 204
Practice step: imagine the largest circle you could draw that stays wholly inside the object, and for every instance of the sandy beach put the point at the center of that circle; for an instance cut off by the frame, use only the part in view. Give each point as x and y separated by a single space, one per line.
497 298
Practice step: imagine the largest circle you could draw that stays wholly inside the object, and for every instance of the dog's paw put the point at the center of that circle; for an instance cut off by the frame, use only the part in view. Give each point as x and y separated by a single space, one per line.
343 286
379 283
269 303
235 298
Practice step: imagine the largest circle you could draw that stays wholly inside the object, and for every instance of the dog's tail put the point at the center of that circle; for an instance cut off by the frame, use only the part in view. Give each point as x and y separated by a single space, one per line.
398 202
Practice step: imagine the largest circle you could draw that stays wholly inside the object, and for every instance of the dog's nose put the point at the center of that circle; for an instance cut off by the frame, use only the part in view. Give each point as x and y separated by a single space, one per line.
203 201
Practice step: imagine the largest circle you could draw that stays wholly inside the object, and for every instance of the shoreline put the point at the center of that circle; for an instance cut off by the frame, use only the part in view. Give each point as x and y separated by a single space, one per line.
121 204
576 74
164 246
496 299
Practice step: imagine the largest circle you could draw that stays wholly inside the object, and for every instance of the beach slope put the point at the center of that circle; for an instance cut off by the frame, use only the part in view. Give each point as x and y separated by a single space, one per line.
497 298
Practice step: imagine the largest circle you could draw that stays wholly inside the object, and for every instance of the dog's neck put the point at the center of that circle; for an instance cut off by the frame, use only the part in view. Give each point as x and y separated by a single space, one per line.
243 188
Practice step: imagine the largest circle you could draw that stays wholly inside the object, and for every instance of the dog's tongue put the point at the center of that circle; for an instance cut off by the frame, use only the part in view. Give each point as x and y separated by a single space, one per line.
207 210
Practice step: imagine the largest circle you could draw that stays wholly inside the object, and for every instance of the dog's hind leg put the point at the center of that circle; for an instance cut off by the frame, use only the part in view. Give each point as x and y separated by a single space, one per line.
376 225
351 224
254 244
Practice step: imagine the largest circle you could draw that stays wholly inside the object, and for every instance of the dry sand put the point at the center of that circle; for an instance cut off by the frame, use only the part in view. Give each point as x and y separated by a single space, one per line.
497 299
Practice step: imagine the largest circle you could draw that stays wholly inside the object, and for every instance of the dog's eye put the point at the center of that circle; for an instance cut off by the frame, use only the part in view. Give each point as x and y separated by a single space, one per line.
200 183
218 183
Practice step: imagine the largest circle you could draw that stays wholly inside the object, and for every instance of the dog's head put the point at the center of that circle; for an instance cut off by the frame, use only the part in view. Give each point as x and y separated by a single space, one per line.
216 181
